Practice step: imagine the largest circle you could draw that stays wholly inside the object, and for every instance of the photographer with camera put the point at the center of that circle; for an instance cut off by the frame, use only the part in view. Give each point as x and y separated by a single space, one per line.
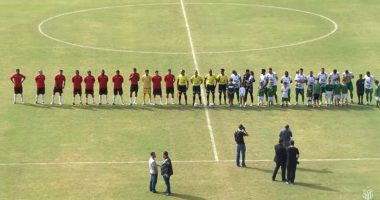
240 145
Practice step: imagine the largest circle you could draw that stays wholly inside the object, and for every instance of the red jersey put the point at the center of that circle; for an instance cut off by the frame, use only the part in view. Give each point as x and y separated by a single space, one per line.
89 81
40 81
156 82
118 81
134 77
77 81
169 80
59 79
103 80
17 80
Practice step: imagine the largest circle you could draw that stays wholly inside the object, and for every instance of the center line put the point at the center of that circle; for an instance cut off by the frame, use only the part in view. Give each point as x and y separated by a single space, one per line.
197 68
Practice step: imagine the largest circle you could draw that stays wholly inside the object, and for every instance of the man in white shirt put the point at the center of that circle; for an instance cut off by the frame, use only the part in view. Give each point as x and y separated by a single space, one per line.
368 85
300 82
322 76
310 79
272 79
236 79
153 170
264 82
347 78
334 76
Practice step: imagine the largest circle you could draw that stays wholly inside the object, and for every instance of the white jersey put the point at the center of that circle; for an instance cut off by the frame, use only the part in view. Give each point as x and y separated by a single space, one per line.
272 78
334 77
263 80
285 92
242 91
152 166
235 80
300 80
368 82
310 80
322 79
347 77
286 79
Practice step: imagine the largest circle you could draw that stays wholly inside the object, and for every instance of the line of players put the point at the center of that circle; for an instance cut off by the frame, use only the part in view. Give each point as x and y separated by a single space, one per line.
336 91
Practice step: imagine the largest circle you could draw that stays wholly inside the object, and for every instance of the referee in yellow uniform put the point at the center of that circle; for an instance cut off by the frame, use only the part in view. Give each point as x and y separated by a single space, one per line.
210 84
222 81
197 81
182 85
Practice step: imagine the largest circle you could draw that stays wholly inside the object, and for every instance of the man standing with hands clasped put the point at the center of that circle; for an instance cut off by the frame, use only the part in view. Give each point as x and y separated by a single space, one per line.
291 162
240 145
153 170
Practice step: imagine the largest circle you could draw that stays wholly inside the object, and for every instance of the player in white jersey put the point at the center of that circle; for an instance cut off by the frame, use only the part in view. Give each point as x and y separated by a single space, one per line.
368 85
300 80
347 78
310 79
322 76
263 82
272 79
236 80
334 76
286 79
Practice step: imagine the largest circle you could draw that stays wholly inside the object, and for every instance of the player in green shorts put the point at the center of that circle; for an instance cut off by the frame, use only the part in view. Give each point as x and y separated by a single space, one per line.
270 92
344 89
337 91
317 91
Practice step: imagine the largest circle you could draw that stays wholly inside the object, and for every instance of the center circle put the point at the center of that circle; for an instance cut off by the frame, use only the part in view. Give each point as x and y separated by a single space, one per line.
160 29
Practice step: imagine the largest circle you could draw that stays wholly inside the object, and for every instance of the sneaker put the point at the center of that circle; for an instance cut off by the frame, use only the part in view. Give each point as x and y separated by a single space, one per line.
60 103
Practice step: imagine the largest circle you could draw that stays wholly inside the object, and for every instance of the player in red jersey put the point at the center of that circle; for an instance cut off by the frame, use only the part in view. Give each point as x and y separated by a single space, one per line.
77 86
40 81
156 79
169 83
60 82
17 79
103 89
118 87
134 77
89 81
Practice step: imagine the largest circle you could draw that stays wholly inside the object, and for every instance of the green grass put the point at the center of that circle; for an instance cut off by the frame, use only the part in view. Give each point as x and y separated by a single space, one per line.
35 133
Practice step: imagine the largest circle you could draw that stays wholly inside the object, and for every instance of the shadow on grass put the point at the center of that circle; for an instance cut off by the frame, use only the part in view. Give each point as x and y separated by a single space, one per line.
322 171
260 169
183 196
348 108
316 186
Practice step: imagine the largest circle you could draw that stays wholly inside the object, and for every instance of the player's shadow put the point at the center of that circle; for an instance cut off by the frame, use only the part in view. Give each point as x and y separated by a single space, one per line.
185 196
48 106
268 171
322 171
316 186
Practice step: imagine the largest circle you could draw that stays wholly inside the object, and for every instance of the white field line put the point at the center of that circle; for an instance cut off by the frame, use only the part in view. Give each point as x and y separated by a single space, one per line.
42 23
197 68
188 161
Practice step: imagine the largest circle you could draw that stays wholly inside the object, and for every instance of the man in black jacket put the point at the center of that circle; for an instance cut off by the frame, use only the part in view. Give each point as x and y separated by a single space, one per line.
240 145
291 162
280 160
167 171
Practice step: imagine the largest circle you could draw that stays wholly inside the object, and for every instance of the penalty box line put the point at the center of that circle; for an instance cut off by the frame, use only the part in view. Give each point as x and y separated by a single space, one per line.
188 161
195 60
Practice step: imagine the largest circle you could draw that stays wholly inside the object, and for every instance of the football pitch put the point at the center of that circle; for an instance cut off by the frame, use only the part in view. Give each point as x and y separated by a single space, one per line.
102 152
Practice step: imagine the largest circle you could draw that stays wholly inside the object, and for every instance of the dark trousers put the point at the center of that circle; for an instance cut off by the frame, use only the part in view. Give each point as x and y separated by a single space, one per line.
283 170
291 175
153 182
240 149
167 183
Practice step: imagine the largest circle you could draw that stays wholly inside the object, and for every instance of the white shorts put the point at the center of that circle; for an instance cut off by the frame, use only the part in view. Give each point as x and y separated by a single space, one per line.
261 99
344 96
310 98
241 94
270 98
337 96
377 98
329 94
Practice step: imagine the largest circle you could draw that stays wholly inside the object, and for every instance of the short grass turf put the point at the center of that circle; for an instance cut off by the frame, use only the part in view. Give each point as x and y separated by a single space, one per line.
34 133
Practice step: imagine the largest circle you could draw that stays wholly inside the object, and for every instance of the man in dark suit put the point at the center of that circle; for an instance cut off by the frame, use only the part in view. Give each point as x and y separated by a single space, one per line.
280 160
167 171
291 162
